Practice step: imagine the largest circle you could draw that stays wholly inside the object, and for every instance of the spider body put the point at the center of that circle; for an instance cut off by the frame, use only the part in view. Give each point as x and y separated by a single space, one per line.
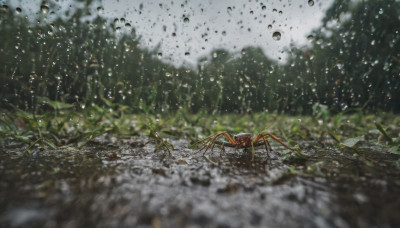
242 141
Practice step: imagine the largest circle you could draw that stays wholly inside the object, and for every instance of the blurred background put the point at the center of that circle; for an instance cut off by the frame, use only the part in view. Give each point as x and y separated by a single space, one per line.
218 57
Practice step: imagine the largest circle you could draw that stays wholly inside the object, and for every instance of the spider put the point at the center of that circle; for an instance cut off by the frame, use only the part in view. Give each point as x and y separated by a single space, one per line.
242 140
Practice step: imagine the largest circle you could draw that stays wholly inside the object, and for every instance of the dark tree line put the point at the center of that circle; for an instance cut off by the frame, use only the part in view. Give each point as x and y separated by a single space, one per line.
355 63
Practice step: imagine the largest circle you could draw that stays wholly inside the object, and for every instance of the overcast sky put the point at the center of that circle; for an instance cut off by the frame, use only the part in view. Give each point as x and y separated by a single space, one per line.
188 30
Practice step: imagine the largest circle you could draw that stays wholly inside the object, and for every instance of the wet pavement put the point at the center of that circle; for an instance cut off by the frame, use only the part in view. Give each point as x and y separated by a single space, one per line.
133 185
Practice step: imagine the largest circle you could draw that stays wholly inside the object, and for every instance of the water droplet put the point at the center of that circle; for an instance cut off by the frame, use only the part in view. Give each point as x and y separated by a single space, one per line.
19 10
186 20
263 7
310 37
229 9
100 9
276 36
187 53
380 11
5 7
128 25
269 26
280 12
310 2
44 9
173 34
274 10
251 12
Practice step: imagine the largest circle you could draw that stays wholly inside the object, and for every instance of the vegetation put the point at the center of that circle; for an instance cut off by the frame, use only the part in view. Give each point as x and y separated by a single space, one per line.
118 126
352 64
72 79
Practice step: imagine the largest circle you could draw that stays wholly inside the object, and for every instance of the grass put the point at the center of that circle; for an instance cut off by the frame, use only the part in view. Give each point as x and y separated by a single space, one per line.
67 126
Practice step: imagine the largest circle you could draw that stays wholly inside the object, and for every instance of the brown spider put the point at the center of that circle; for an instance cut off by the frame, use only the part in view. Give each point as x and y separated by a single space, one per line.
242 140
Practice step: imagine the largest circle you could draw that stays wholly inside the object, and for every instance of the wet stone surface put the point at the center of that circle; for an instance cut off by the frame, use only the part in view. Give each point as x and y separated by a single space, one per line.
134 186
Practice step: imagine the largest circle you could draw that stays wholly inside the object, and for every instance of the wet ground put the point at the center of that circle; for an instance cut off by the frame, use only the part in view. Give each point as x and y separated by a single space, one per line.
131 185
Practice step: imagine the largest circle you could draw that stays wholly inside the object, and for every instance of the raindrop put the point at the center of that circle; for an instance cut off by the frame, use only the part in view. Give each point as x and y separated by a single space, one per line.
19 10
280 12
99 9
269 26
5 7
274 10
187 53
186 20
310 2
173 34
128 25
229 9
310 37
276 36
263 7
44 9
251 12
380 11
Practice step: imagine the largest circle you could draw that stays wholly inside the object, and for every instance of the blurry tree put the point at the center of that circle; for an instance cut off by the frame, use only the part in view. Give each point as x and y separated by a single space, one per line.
353 61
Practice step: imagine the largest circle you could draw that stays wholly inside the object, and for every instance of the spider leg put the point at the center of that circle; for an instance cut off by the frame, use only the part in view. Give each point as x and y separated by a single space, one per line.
216 136
212 147
268 147
227 144
203 142
207 145
221 151
278 140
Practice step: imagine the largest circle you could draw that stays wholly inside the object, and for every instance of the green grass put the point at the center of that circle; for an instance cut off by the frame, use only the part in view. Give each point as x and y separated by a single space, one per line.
70 127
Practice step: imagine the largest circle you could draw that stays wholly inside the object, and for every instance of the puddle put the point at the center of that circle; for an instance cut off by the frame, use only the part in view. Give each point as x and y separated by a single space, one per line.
135 186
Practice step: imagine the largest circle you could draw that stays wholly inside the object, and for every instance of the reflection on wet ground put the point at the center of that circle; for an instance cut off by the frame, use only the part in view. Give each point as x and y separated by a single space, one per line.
133 185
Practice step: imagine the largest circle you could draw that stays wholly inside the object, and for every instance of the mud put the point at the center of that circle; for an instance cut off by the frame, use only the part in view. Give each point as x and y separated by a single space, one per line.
133 185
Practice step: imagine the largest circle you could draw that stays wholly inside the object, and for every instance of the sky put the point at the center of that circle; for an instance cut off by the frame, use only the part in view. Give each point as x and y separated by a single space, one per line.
184 31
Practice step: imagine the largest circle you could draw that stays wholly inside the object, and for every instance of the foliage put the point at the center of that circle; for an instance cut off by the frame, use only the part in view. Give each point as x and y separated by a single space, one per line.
353 62
117 126
81 62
